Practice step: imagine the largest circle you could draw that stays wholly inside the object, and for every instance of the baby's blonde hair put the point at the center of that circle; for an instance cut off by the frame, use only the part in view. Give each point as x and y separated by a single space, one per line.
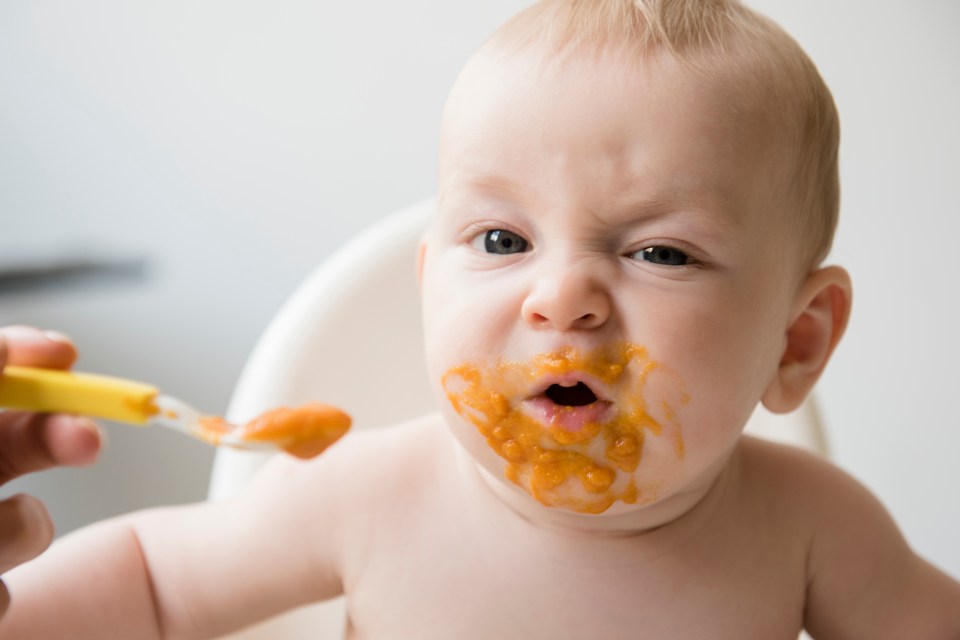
768 68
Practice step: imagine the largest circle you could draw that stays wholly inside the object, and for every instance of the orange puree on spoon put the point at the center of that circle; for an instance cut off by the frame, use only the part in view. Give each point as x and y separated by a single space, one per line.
577 450
304 431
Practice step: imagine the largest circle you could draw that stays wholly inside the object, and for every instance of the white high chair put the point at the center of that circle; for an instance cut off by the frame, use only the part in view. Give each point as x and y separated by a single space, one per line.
354 325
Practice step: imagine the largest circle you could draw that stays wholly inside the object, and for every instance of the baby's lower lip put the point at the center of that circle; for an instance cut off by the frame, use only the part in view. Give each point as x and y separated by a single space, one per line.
568 418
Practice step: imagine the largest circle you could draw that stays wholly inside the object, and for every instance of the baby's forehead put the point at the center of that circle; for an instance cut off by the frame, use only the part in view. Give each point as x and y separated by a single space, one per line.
621 138
740 86
526 100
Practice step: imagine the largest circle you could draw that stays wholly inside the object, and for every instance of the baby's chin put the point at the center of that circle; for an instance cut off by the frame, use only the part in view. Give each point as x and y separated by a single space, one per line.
517 485
583 487
618 519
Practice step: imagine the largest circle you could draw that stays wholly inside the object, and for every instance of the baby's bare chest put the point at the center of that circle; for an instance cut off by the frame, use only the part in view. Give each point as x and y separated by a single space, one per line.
459 581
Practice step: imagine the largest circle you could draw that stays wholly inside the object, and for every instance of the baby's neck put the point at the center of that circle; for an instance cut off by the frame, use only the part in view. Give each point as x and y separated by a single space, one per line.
685 509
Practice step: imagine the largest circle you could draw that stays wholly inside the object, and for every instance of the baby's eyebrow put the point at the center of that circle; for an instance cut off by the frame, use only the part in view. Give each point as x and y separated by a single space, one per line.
488 184
491 188
704 226
710 206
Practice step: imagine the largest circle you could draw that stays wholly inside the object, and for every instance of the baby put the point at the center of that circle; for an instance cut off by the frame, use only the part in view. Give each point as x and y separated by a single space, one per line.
634 201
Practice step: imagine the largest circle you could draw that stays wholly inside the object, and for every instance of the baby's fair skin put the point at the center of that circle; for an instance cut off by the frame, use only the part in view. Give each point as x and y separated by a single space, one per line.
599 223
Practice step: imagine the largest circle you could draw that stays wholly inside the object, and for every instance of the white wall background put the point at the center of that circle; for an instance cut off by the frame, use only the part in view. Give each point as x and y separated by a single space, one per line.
231 145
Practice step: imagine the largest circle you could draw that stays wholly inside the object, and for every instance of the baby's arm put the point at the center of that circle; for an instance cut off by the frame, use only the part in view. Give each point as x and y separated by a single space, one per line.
196 571
864 581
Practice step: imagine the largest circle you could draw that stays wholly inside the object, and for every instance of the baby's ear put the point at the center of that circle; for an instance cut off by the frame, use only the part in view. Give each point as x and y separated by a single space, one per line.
820 314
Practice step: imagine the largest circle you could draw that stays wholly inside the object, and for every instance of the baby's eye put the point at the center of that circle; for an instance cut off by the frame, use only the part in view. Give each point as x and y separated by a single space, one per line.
664 255
502 241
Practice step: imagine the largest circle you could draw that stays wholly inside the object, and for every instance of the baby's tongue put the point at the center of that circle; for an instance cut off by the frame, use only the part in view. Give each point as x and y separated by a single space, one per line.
568 418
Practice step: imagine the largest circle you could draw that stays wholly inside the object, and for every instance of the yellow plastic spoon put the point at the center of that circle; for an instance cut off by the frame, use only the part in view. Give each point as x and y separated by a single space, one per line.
304 431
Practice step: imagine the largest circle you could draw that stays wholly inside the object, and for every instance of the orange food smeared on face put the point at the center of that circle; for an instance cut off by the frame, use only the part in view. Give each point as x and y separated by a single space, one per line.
581 455
304 431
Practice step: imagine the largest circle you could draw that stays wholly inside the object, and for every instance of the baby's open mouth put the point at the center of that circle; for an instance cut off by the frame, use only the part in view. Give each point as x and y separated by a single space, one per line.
570 406
577 395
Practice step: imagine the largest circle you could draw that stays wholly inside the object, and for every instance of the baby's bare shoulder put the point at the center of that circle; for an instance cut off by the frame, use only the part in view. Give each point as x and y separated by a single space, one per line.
824 500
798 485
787 472
863 580
826 496
363 463
332 507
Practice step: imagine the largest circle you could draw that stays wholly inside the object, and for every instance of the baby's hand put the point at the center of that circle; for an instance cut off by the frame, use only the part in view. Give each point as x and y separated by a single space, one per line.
32 442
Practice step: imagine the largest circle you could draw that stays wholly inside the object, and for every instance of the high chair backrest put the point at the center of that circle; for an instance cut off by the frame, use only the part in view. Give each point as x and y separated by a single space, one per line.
351 336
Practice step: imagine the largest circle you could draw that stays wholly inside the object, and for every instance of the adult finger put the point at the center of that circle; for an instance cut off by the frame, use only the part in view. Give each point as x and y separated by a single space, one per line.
25 530
33 442
28 346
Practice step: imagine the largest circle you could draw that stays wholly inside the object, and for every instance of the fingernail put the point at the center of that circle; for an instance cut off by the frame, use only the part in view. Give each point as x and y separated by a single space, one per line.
87 423
56 336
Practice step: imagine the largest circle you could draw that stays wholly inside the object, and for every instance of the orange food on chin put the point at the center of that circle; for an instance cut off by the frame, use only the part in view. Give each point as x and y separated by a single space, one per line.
580 456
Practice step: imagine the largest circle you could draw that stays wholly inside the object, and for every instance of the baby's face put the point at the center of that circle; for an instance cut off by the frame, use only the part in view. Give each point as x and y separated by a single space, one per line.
608 280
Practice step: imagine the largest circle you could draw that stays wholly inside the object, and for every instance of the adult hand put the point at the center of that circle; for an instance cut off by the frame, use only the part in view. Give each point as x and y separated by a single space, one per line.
32 442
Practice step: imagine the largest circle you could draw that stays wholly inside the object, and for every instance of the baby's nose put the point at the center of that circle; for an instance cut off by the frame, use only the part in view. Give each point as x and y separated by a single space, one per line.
572 299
